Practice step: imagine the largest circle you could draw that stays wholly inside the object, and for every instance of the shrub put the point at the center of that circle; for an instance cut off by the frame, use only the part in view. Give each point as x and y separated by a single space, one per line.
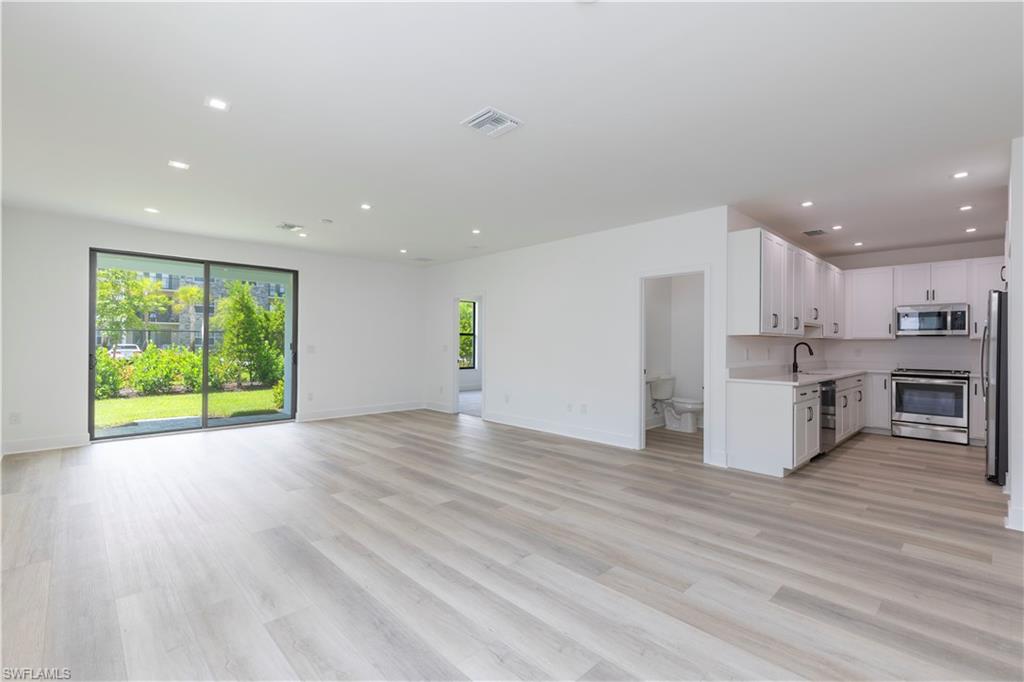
279 394
154 370
190 367
222 371
108 375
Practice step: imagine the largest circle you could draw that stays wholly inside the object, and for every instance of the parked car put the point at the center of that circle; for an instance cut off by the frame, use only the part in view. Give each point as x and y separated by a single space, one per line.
124 350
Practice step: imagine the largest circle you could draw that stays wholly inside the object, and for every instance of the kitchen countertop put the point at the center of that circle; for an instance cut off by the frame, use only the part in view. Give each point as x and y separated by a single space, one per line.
813 376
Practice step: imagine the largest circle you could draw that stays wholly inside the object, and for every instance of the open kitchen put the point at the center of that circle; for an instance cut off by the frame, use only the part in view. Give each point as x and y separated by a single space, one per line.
820 353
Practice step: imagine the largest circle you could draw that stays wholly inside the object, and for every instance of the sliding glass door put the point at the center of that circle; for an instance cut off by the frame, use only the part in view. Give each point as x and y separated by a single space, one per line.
250 358
179 344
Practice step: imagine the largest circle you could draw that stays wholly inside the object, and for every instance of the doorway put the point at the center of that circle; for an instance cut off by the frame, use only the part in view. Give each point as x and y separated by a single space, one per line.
178 344
470 362
674 361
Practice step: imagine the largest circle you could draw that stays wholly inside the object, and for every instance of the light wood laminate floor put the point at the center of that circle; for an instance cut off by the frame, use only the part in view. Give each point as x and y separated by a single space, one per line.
428 546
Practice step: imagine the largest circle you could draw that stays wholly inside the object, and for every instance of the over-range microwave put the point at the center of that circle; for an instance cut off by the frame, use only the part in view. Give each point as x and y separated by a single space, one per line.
932 320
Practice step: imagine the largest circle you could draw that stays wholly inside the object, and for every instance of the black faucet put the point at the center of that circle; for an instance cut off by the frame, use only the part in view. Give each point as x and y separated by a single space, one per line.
796 367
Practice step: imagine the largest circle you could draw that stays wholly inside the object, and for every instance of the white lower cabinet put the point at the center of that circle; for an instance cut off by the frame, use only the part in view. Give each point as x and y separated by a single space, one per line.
977 417
878 414
806 430
850 407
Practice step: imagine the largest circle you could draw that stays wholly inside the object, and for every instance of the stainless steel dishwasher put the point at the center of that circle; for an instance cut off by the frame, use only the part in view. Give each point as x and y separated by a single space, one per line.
828 415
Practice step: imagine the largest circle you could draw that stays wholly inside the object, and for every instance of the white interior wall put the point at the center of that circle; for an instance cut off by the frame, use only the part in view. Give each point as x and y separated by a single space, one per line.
687 349
944 352
657 338
358 323
1015 316
749 356
563 327
923 254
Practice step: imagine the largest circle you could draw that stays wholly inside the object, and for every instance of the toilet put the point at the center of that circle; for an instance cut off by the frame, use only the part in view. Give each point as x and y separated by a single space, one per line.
681 414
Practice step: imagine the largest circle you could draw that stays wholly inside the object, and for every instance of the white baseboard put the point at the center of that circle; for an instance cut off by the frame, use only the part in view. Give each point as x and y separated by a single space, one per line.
319 415
1015 518
439 407
581 433
13 447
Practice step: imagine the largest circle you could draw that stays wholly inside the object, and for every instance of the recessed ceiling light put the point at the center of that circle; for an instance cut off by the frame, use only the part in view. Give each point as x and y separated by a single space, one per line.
858 243
968 207
217 103
476 231
151 210
365 207
303 234
180 165
403 251
971 229
807 204
837 227
960 174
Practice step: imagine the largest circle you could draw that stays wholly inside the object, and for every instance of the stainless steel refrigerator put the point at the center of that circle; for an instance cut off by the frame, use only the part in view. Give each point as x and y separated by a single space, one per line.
993 376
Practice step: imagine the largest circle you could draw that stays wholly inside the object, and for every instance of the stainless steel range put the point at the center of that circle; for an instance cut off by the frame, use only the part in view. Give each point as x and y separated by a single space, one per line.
930 404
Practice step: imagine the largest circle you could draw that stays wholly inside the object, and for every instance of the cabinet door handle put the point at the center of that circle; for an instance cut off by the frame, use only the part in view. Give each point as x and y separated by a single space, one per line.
846 401
975 326
810 413
890 329
775 320
815 313
1002 273
885 384
860 396
933 294
796 322
926 294
975 388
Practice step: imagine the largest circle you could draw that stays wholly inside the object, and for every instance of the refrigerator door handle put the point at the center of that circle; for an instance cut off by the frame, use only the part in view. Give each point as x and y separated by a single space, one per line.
984 361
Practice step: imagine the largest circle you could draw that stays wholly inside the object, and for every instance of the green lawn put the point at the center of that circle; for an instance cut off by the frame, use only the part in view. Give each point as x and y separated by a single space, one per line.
120 411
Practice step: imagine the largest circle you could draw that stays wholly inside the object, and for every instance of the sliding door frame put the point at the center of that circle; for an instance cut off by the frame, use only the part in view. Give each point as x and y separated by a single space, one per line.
207 264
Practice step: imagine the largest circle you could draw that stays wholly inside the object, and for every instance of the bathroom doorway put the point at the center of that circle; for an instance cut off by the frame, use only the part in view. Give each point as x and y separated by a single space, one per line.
469 358
674 364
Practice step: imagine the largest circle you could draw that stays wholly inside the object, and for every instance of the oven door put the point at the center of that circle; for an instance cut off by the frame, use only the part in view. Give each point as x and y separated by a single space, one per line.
941 402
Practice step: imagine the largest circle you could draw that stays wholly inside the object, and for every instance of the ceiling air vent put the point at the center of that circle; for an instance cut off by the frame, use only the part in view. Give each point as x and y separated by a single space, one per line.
491 122
289 227
814 233
423 259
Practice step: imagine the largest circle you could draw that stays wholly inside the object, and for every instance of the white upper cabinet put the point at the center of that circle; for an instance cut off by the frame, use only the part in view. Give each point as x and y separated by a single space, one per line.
830 286
793 299
949 282
773 284
985 275
766 285
914 284
924 283
812 295
869 303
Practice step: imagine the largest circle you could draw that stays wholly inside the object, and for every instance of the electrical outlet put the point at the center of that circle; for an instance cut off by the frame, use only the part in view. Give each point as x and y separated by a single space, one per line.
14 418
309 396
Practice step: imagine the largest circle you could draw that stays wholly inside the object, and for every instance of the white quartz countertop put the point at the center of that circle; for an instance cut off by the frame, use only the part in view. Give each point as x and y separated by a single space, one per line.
812 376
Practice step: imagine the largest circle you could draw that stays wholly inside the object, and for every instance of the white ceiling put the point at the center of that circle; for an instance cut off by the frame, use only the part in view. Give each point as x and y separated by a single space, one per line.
630 112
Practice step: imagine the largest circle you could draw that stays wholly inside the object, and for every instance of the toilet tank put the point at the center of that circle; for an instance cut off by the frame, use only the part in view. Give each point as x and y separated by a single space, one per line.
662 388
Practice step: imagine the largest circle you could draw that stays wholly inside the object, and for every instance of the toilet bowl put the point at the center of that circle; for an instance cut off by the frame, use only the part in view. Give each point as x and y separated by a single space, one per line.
682 414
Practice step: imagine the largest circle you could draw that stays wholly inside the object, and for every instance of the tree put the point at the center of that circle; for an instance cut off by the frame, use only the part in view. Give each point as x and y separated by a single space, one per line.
125 300
245 341
186 298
